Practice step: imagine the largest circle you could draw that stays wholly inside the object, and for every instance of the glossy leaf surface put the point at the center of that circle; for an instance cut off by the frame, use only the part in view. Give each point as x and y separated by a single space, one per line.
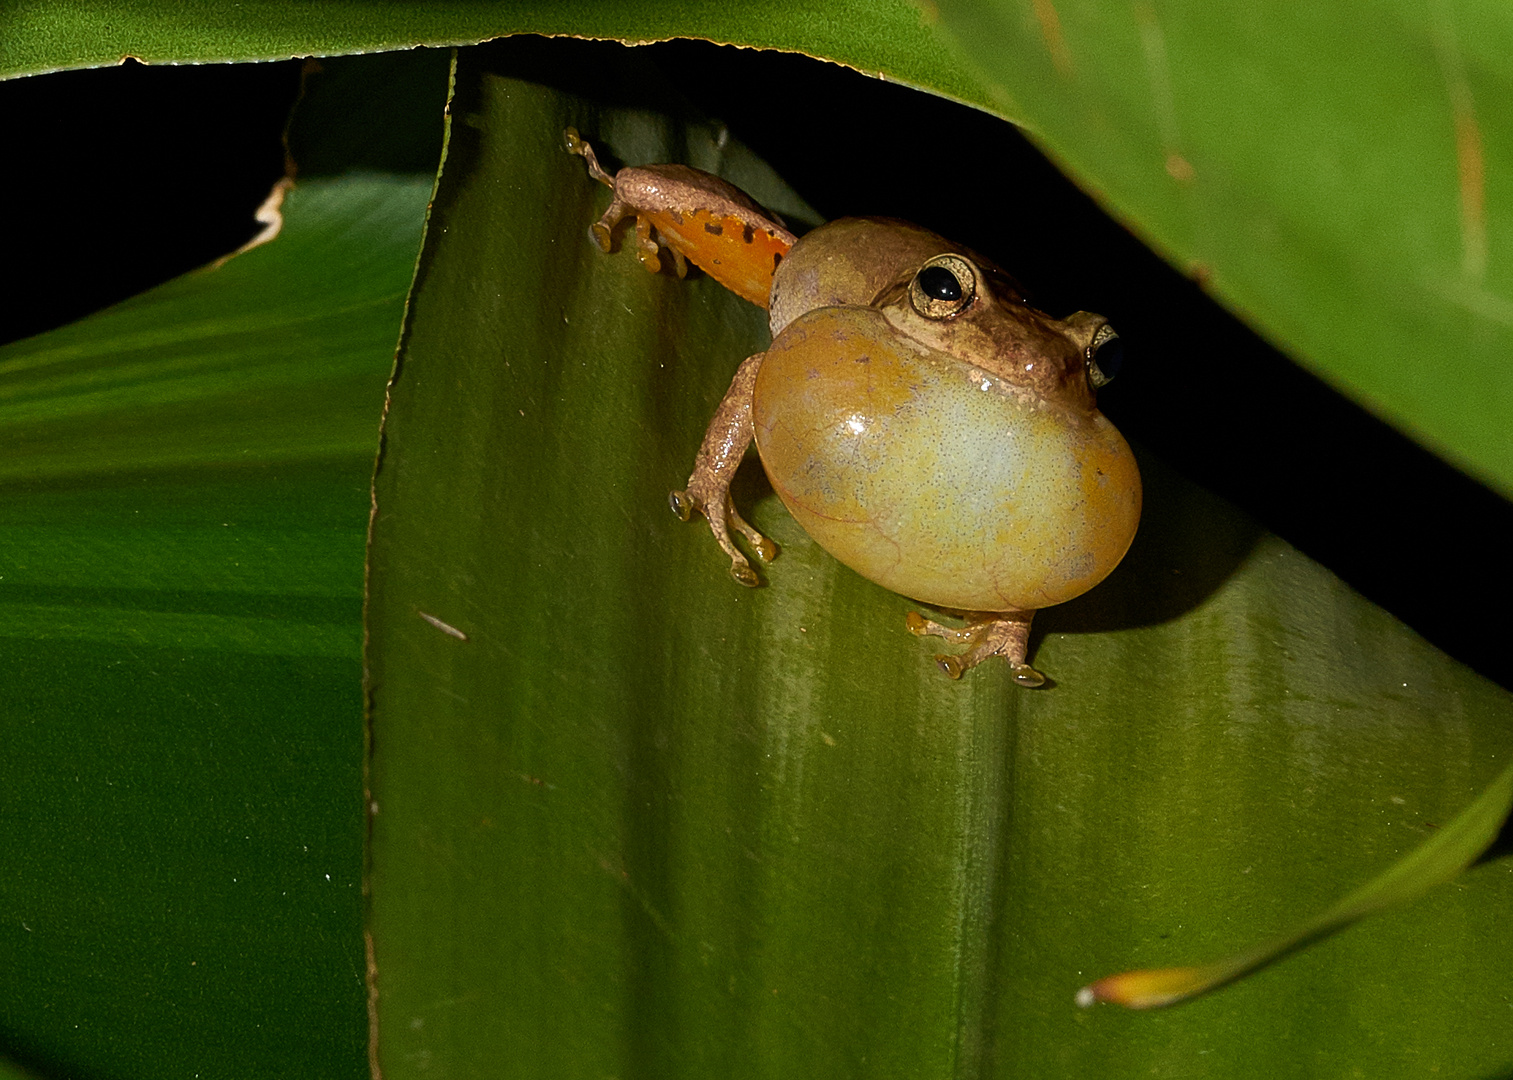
635 820
1401 1014
1444 855
1339 176
184 491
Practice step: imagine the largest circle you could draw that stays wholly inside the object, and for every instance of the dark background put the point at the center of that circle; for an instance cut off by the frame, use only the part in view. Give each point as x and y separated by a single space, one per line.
125 177
121 178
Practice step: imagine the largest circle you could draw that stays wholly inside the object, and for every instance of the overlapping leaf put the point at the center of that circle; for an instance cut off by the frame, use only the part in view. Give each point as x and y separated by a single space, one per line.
184 490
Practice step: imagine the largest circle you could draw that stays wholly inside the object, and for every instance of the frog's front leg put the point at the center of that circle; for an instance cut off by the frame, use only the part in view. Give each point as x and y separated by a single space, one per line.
988 633
708 489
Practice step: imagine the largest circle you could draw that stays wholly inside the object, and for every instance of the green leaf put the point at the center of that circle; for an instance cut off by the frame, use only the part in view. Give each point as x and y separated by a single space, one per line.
1436 861
631 819
890 36
1336 179
1262 676
184 493
1337 175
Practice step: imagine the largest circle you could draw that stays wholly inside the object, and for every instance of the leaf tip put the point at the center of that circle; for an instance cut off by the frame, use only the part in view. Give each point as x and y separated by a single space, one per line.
1145 989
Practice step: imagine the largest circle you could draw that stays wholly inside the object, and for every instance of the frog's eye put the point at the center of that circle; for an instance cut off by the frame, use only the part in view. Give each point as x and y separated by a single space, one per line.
943 287
1105 356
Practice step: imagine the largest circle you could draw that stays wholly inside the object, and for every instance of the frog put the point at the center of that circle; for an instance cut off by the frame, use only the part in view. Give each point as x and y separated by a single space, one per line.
922 421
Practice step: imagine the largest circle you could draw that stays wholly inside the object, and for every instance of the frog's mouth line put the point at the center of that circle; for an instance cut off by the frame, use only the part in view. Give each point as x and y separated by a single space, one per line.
892 293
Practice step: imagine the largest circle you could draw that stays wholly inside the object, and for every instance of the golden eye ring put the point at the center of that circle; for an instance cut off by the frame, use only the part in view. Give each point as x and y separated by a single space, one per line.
944 287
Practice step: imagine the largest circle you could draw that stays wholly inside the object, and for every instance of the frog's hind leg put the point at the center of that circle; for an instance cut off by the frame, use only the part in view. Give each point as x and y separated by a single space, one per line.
602 232
987 633
577 144
708 490
648 243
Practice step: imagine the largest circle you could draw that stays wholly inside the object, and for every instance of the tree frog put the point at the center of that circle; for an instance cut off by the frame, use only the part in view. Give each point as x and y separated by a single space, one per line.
922 422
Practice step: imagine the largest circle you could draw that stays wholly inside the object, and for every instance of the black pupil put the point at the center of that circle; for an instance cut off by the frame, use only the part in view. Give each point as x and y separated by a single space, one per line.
940 283
1110 358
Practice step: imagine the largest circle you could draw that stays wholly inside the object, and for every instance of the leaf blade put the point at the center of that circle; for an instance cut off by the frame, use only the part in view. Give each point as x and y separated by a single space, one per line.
1435 862
183 504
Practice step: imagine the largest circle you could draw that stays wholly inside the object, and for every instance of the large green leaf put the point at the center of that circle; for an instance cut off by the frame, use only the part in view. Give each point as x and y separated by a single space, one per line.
184 491
1339 174
892 36
1443 856
1175 764
634 820
1335 177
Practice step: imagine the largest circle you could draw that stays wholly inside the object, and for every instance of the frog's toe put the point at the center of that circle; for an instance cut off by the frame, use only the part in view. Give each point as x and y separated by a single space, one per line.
577 144
765 549
682 504
650 260
647 246
679 263
1026 676
740 567
721 516
951 665
986 634
603 235
920 626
